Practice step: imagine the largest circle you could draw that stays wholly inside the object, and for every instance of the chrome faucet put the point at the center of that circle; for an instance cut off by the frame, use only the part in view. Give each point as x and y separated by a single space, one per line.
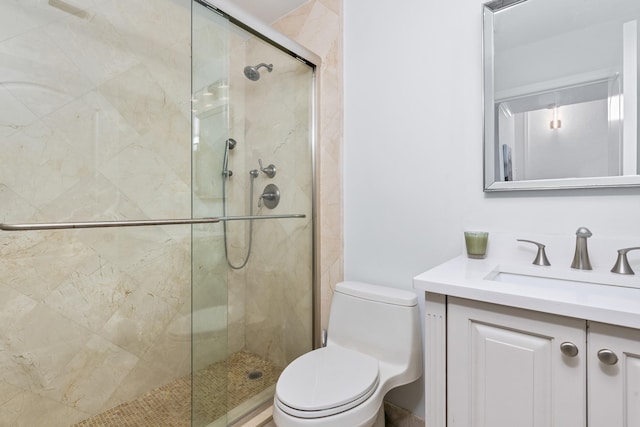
581 257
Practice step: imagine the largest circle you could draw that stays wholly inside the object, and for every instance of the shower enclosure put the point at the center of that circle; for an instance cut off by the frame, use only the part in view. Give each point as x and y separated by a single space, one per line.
156 200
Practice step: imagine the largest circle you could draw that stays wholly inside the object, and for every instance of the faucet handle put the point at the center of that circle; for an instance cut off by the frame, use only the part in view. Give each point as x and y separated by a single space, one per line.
541 256
270 170
622 263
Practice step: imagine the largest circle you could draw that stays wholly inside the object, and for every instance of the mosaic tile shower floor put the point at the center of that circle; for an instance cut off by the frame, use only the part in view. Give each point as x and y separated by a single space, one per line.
170 405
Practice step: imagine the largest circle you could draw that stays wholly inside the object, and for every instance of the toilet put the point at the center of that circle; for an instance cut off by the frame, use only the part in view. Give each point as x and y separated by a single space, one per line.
373 345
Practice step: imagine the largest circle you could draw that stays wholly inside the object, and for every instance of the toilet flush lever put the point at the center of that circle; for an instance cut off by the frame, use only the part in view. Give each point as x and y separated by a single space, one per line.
541 256
622 263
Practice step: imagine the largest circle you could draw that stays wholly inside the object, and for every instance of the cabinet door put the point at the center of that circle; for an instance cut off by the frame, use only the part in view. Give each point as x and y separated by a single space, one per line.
613 376
505 367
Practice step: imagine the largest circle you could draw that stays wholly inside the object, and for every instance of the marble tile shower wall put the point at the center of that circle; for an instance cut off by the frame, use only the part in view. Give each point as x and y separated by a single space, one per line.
269 301
213 87
269 118
278 296
317 25
94 124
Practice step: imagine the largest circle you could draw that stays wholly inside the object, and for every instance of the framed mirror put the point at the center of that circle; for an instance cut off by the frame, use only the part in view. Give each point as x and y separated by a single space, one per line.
560 94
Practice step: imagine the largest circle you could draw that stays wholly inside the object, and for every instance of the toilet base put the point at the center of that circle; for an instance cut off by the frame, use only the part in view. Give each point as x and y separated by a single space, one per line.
280 419
379 422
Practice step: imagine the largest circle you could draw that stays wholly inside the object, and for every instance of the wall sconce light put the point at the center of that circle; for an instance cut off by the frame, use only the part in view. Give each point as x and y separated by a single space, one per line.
555 123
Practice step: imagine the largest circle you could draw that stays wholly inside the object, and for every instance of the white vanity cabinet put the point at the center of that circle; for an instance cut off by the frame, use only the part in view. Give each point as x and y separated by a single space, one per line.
506 368
511 344
502 366
613 375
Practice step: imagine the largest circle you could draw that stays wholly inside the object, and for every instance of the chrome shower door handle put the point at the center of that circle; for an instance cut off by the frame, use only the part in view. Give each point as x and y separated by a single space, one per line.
138 223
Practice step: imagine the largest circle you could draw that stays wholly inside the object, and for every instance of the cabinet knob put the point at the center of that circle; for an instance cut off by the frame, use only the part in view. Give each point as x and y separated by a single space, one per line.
569 349
608 357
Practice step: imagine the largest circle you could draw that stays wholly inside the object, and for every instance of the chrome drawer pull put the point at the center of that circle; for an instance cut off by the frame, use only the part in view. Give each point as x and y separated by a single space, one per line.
569 349
608 357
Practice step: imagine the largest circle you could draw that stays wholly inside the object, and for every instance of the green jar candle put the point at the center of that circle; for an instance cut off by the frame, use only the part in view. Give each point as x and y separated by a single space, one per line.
476 242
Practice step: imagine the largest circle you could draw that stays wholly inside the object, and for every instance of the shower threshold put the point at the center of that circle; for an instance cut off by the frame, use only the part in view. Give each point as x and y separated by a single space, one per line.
246 413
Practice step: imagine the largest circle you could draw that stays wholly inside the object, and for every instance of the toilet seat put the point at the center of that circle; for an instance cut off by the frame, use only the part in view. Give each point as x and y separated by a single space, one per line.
326 381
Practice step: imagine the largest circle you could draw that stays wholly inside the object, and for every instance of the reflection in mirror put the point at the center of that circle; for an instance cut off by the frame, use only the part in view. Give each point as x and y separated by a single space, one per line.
561 90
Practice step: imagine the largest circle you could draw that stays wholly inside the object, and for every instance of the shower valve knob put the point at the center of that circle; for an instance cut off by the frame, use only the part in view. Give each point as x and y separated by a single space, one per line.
270 196
270 170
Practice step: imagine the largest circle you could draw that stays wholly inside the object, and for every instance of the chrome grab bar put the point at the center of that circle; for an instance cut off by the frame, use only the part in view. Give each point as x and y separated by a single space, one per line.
137 223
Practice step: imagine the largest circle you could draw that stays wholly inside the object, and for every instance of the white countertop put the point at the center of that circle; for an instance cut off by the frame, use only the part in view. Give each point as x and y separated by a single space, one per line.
599 296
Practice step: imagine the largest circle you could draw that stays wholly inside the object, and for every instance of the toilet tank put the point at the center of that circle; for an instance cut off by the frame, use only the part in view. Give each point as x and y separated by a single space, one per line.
379 321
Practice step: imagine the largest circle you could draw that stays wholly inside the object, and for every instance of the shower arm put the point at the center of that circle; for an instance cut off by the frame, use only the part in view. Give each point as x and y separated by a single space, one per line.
137 223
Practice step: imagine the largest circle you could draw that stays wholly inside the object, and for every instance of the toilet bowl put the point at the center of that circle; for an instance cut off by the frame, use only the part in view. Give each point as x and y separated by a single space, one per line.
373 346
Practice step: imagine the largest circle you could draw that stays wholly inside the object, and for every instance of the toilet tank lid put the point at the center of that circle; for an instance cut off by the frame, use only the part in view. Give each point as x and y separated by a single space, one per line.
378 293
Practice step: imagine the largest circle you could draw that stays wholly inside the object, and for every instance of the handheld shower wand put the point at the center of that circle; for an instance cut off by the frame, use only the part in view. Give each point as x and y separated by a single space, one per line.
226 174
228 145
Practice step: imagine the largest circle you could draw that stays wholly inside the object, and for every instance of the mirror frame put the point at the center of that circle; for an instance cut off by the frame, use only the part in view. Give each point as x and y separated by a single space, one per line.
490 154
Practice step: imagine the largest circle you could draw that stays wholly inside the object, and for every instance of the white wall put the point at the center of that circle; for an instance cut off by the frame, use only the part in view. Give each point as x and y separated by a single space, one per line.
413 151
591 55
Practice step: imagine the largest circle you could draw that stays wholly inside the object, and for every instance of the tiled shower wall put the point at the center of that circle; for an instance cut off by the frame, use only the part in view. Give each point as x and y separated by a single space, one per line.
317 25
94 125
255 294
278 280
270 299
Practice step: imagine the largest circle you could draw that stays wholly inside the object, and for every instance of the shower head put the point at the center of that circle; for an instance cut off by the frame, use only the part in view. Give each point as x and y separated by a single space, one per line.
251 72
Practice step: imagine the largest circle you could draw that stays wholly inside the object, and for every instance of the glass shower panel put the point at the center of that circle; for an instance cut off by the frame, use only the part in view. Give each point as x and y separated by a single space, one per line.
95 125
211 46
253 126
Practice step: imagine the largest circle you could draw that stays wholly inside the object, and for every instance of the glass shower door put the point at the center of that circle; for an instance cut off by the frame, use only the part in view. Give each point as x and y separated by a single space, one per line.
252 116
95 126
210 109
98 123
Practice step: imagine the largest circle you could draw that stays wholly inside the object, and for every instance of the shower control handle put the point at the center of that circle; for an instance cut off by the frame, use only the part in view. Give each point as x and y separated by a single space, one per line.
270 170
270 195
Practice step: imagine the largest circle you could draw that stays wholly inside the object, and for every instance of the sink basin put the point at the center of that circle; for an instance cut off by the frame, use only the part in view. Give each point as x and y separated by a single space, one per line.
564 279
558 278
524 279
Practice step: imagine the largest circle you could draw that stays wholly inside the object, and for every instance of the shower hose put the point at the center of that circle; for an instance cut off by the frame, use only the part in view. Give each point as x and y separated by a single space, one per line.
224 223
